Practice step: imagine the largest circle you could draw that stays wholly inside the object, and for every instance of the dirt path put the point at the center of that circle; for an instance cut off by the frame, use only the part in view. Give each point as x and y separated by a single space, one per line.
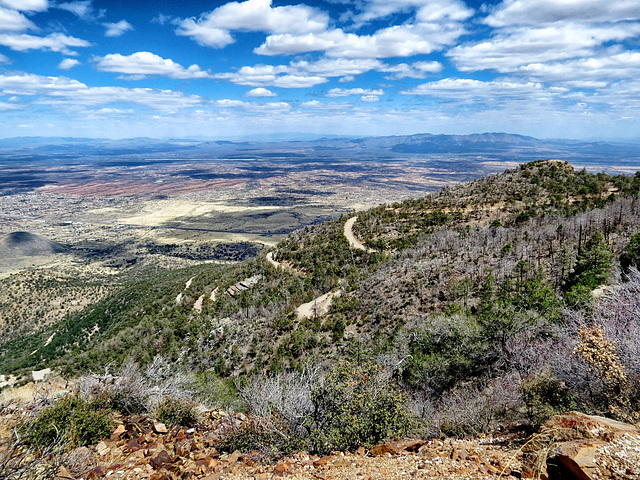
353 241
318 306
272 261
284 265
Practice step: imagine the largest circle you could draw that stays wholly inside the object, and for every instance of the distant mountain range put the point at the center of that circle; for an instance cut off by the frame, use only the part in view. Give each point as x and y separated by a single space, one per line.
424 143
499 147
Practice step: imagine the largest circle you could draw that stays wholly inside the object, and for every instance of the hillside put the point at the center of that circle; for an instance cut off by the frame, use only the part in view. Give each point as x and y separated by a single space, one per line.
497 302
464 286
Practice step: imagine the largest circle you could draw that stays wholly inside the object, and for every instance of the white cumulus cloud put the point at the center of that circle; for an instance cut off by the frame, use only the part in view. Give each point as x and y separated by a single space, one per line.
214 28
271 75
536 12
147 63
13 21
82 8
65 92
68 64
394 41
117 29
346 92
471 90
56 42
260 92
511 49
427 10
26 5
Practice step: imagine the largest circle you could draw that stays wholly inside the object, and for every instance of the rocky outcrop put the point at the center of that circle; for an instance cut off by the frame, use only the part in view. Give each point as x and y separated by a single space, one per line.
584 447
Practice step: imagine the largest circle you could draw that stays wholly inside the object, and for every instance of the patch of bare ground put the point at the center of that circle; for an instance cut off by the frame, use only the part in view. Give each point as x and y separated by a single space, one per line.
318 306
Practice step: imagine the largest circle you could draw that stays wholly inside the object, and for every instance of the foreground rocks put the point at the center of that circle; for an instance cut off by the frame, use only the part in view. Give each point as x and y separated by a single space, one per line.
575 446
137 450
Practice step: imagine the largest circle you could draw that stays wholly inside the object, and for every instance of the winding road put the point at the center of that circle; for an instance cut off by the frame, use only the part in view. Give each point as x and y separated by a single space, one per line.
353 241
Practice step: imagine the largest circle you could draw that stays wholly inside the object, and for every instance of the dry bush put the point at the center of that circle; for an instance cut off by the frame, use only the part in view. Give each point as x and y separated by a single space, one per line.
20 460
475 408
134 390
596 353
285 395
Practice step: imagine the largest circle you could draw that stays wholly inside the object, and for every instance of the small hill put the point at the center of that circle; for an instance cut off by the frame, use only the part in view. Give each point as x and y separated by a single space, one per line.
28 245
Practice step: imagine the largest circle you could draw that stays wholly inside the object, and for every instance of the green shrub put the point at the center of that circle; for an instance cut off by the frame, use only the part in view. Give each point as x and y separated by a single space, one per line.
177 411
357 406
72 421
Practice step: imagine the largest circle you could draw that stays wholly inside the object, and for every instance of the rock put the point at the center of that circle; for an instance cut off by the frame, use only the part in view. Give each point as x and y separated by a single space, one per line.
576 458
589 426
207 463
118 431
159 476
102 449
408 445
95 473
234 457
160 459
133 445
461 454
184 448
586 447
379 450
64 473
213 476
160 427
322 461
282 468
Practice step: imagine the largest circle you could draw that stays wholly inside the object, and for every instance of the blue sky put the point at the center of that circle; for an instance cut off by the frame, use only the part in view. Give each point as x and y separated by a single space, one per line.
217 69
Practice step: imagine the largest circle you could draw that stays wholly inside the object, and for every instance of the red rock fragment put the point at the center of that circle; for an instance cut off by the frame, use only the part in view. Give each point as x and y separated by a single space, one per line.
118 431
133 445
160 427
322 461
63 472
379 450
282 468
95 473
408 445
160 459
159 476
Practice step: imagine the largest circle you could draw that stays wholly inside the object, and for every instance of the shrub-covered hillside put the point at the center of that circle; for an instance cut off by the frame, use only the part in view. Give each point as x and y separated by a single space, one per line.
483 299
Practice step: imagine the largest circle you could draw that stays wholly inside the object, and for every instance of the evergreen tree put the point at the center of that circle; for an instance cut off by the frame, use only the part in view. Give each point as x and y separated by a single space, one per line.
631 256
593 264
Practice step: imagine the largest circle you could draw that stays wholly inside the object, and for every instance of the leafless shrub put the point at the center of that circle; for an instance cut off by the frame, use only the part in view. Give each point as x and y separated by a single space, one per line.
285 395
612 330
471 409
20 460
79 461
134 390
